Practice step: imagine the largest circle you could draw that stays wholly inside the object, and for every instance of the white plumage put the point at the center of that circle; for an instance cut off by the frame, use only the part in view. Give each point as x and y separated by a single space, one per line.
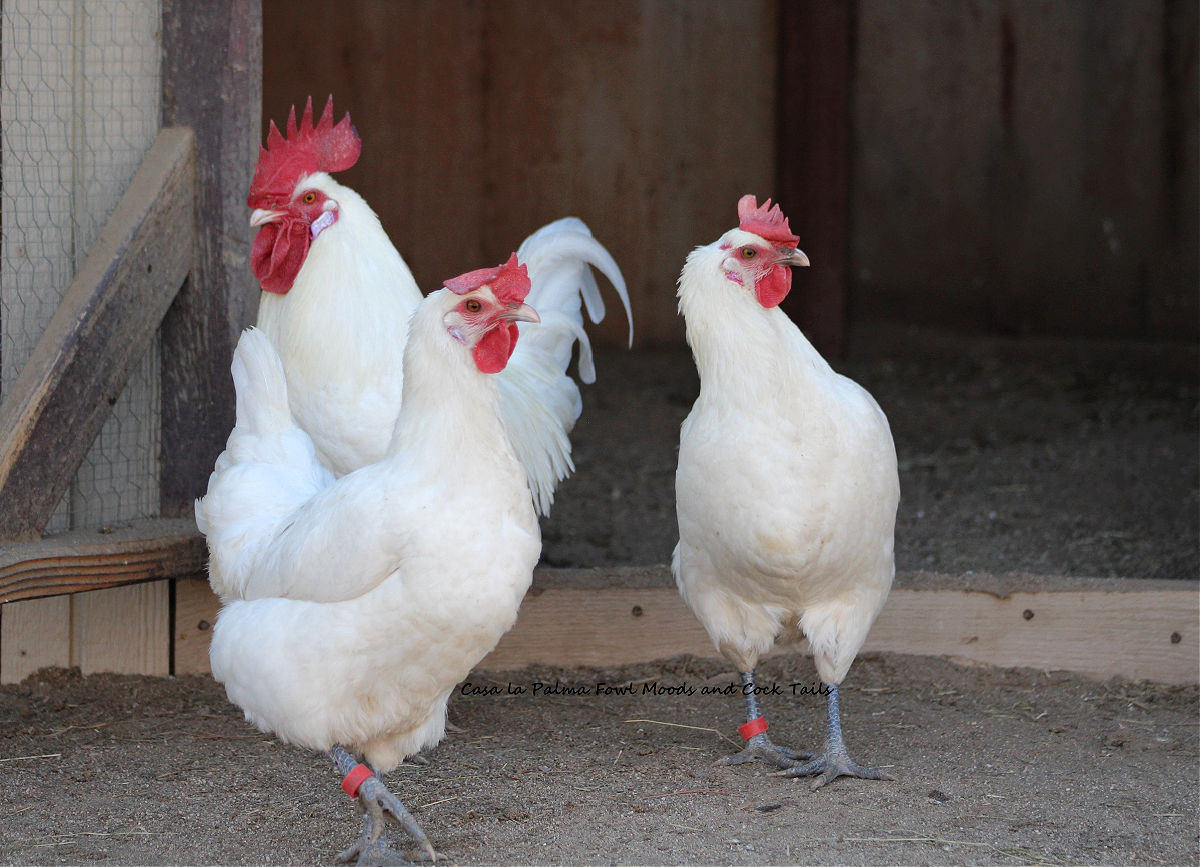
350 616
786 487
339 331
352 606
371 524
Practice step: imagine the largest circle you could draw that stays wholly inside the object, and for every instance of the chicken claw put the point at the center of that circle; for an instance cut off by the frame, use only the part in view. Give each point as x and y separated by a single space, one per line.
762 748
758 745
834 762
830 766
372 847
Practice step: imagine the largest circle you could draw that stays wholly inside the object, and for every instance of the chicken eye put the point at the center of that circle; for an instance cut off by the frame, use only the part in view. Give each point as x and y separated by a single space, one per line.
749 252
472 305
309 198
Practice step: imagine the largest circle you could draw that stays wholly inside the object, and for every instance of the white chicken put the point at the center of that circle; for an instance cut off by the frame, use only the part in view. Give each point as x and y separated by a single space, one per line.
336 297
352 606
786 487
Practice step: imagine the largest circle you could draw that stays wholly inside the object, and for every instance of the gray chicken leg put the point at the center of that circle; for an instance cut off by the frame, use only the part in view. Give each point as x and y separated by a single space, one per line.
758 745
834 761
372 847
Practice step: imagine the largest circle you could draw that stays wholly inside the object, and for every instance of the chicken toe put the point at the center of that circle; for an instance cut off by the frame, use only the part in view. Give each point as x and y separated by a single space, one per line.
834 761
371 848
762 748
831 765
377 801
754 732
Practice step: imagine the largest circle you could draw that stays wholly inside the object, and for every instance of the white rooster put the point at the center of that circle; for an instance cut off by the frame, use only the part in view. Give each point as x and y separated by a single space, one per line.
786 487
352 606
336 297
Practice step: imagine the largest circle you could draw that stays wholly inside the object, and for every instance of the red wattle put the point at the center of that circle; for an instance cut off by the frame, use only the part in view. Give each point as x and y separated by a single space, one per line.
495 348
774 286
278 252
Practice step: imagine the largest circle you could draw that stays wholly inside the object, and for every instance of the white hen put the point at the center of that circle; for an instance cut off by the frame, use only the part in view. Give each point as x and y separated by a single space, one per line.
336 295
786 487
352 607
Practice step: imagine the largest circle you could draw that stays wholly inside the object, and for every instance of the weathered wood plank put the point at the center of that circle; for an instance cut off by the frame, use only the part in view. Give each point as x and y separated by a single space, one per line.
1135 633
122 629
61 398
1098 633
429 196
195 613
815 61
646 119
1129 628
212 83
91 559
34 634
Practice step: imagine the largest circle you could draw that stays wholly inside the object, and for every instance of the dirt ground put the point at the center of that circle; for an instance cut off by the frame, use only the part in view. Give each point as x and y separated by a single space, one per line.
1058 466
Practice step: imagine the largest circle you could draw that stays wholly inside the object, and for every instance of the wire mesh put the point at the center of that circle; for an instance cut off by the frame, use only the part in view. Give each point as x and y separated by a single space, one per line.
79 109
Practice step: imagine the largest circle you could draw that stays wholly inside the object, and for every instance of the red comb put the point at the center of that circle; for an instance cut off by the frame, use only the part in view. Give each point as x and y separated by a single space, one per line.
767 222
326 147
510 281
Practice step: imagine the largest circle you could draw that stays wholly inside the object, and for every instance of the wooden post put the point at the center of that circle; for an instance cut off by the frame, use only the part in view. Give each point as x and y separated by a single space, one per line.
815 67
212 82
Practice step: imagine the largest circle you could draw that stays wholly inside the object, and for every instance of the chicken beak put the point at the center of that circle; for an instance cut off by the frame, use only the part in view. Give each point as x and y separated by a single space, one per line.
521 313
261 215
795 259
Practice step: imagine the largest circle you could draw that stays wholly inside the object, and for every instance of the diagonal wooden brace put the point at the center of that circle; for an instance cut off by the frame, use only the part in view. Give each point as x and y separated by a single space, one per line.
59 401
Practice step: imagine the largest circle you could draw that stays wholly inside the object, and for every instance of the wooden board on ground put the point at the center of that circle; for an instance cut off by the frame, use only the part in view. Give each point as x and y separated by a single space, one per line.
1136 629
34 634
121 629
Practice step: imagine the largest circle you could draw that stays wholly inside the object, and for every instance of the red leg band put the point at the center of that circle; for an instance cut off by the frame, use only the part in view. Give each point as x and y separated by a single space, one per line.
354 779
752 728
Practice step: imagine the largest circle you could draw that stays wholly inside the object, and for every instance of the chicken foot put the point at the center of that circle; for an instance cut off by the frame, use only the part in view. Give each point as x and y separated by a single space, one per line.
834 761
372 846
758 745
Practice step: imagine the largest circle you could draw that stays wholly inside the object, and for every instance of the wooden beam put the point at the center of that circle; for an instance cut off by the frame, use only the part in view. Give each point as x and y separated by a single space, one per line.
1139 629
816 39
99 558
103 326
212 82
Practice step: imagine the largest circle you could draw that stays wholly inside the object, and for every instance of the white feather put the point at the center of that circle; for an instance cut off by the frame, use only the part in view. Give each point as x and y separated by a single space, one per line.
339 332
786 487
387 585
268 470
539 401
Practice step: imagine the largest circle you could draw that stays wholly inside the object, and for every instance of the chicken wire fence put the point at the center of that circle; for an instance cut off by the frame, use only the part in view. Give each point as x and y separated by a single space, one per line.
79 109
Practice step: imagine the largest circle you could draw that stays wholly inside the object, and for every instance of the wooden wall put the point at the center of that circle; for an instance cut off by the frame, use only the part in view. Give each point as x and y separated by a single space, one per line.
91 261
1027 167
1014 166
80 104
483 120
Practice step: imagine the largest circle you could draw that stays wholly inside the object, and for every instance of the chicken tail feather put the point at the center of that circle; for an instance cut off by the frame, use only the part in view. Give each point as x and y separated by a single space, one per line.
539 401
